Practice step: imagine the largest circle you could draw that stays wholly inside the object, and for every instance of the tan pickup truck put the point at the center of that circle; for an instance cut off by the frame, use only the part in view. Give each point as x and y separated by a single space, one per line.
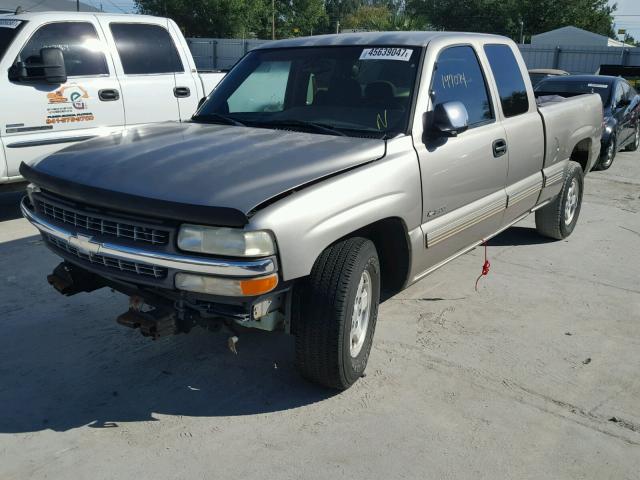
321 172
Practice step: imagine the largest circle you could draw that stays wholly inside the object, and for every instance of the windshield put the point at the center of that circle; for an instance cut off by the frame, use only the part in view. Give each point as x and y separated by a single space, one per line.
8 31
331 90
573 87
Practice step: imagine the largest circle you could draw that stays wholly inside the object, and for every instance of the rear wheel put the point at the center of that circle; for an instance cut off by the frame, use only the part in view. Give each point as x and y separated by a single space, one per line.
336 314
633 146
608 155
558 219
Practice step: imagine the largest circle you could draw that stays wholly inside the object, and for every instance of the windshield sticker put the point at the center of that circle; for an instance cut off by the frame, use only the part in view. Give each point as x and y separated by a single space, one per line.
12 24
68 105
597 85
402 54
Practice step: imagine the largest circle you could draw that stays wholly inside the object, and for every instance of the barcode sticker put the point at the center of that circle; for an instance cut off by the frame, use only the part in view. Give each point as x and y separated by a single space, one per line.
402 54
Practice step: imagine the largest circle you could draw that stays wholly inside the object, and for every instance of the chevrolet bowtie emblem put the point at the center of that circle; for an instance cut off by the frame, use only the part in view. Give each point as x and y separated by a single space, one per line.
84 244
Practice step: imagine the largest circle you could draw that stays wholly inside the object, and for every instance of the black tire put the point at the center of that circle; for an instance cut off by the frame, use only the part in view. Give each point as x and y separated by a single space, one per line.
633 146
551 220
608 154
323 314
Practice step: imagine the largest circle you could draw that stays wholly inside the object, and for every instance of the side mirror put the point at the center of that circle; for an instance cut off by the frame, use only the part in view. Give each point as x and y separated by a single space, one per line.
53 65
450 118
49 66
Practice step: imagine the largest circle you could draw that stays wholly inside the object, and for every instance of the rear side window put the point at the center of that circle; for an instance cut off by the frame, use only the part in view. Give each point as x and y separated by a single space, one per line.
145 49
83 51
458 77
511 87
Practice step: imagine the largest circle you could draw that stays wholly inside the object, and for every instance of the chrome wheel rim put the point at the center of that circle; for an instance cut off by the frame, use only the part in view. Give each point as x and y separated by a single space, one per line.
360 315
637 142
571 205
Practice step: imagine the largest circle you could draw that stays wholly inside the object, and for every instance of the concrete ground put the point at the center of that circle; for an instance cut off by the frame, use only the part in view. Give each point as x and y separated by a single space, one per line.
536 376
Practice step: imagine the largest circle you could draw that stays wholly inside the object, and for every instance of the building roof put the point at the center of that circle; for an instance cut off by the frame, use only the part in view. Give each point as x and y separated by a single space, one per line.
572 31
44 6
373 38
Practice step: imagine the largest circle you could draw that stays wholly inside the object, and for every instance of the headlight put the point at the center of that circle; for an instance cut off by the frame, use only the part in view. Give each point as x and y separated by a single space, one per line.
230 242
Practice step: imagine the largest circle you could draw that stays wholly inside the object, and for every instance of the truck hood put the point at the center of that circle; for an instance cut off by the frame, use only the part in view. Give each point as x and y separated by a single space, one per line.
213 168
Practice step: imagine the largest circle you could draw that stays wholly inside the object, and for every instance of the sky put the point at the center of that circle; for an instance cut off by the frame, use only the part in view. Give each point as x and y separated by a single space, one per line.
626 16
117 6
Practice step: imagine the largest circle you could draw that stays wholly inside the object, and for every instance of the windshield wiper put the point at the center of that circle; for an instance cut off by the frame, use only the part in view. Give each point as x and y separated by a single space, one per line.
318 127
212 117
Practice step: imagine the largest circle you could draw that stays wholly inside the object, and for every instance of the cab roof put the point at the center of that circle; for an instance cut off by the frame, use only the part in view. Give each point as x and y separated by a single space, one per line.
36 16
396 39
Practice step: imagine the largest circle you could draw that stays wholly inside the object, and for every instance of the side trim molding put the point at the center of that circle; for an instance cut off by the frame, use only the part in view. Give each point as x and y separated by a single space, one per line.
471 247
553 178
465 222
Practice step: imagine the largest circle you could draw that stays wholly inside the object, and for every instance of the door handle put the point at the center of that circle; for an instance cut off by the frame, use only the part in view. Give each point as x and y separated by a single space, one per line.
182 92
499 147
109 95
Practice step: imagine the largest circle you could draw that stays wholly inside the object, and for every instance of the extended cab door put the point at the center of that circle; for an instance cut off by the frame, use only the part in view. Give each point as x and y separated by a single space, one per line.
147 61
519 115
463 177
38 118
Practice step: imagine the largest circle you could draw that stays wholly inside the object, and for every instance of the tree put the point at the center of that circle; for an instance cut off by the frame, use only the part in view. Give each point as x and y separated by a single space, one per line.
506 17
338 10
296 18
211 18
240 18
369 17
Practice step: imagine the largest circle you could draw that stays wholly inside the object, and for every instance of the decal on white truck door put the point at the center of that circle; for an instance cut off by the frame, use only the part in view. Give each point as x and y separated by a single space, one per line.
68 105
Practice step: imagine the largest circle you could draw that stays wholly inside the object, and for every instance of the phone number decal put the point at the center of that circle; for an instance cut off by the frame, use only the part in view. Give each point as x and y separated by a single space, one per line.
402 54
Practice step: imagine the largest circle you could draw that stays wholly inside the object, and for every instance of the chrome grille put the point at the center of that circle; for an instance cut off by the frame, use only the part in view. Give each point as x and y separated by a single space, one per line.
103 226
109 262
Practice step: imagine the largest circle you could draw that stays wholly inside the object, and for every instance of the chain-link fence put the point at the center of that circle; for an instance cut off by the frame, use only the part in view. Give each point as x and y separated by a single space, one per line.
578 60
219 53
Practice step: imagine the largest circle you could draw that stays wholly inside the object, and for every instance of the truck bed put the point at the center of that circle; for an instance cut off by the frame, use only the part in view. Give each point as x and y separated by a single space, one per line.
566 122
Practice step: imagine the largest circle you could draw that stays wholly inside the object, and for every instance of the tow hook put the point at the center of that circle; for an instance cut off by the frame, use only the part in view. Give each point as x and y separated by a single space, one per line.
154 322
69 280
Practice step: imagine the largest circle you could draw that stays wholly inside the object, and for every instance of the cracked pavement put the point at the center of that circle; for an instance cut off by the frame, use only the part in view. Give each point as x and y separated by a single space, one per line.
535 376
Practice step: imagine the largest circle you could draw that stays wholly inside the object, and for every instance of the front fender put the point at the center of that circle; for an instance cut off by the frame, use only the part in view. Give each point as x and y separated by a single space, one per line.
306 222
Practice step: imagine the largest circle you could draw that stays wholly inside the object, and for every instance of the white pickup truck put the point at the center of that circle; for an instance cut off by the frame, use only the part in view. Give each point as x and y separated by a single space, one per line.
67 77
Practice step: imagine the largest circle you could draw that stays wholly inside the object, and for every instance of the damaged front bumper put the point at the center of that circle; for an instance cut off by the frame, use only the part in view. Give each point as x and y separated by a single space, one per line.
149 276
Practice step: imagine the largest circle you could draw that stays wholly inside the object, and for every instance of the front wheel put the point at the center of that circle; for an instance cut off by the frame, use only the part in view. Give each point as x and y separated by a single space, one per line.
608 154
558 219
336 314
633 146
